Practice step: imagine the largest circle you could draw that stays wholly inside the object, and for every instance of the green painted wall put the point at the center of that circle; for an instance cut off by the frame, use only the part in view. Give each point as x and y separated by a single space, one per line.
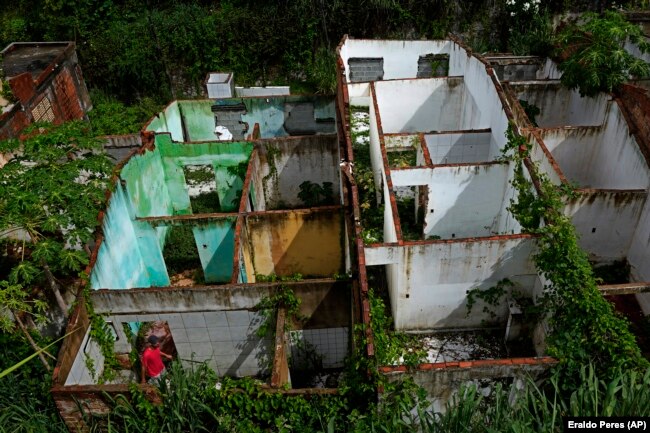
169 120
220 155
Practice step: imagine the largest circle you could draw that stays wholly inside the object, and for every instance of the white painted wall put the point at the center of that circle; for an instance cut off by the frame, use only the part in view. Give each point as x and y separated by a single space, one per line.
431 104
463 201
79 373
639 256
400 57
605 222
550 71
508 224
636 52
607 157
539 157
390 232
359 94
401 141
560 106
461 147
376 160
430 281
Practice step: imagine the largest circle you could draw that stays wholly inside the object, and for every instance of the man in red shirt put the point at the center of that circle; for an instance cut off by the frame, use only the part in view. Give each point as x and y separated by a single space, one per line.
152 364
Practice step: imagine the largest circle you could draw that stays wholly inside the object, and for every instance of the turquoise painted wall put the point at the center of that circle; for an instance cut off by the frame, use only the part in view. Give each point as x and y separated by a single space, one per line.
215 242
153 184
120 262
198 118
146 184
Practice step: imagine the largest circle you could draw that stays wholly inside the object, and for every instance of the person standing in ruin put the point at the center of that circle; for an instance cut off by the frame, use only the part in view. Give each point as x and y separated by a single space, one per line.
152 365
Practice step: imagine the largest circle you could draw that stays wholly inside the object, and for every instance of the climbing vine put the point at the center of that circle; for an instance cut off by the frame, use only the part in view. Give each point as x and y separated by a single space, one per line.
285 298
272 152
584 325
102 335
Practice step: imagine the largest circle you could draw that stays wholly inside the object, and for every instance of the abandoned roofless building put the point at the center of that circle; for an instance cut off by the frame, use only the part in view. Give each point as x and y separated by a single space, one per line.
282 198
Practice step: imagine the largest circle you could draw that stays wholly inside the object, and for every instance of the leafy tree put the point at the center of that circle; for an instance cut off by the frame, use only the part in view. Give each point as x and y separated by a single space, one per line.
111 116
51 190
593 55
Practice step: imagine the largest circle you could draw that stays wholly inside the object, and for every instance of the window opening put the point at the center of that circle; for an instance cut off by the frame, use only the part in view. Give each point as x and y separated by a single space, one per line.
202 188
182 257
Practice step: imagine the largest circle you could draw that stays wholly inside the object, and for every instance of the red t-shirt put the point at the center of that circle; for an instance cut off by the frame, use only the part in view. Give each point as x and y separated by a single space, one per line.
152 361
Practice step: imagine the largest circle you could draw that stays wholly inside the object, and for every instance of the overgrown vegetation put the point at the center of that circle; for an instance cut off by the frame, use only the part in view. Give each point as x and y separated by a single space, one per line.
25 401
402 158
411 229
180 253
584 326
372 213
592 54
391 347
110 116
313 194
529 27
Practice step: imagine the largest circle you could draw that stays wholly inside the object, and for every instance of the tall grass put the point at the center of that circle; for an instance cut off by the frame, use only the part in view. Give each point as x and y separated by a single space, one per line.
192 404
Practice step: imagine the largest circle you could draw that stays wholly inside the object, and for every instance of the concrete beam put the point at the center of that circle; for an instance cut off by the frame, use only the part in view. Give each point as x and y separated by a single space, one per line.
624 289
325 295
177 299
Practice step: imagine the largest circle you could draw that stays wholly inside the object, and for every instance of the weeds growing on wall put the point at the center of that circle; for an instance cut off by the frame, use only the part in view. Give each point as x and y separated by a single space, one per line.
313 194
372 213
584 326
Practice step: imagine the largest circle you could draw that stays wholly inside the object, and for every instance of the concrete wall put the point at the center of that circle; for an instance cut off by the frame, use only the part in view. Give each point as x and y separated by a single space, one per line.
560 106
257 200
168 120
441 381
222 156
195 121
215 242
431 279
226 340
460 147
331 344
118 147
606 157
79 373
606 221
463 201
433 104
308 242
365 69
288 162
219 324
120 263
290 115
516 68
131 252
639 256
400 58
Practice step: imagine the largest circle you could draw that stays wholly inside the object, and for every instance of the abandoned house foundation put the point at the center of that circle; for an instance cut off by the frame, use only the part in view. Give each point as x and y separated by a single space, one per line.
200 229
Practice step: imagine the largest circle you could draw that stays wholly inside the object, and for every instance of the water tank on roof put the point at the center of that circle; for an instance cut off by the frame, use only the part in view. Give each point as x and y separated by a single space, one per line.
220 85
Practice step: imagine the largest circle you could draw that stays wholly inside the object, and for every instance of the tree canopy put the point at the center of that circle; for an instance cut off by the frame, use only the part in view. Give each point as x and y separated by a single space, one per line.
51 190
593 54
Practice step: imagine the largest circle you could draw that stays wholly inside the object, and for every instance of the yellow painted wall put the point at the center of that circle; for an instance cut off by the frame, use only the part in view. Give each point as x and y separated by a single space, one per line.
299 241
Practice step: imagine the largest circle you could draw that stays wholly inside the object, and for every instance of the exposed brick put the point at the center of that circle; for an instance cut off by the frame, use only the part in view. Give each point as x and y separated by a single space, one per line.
22 87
